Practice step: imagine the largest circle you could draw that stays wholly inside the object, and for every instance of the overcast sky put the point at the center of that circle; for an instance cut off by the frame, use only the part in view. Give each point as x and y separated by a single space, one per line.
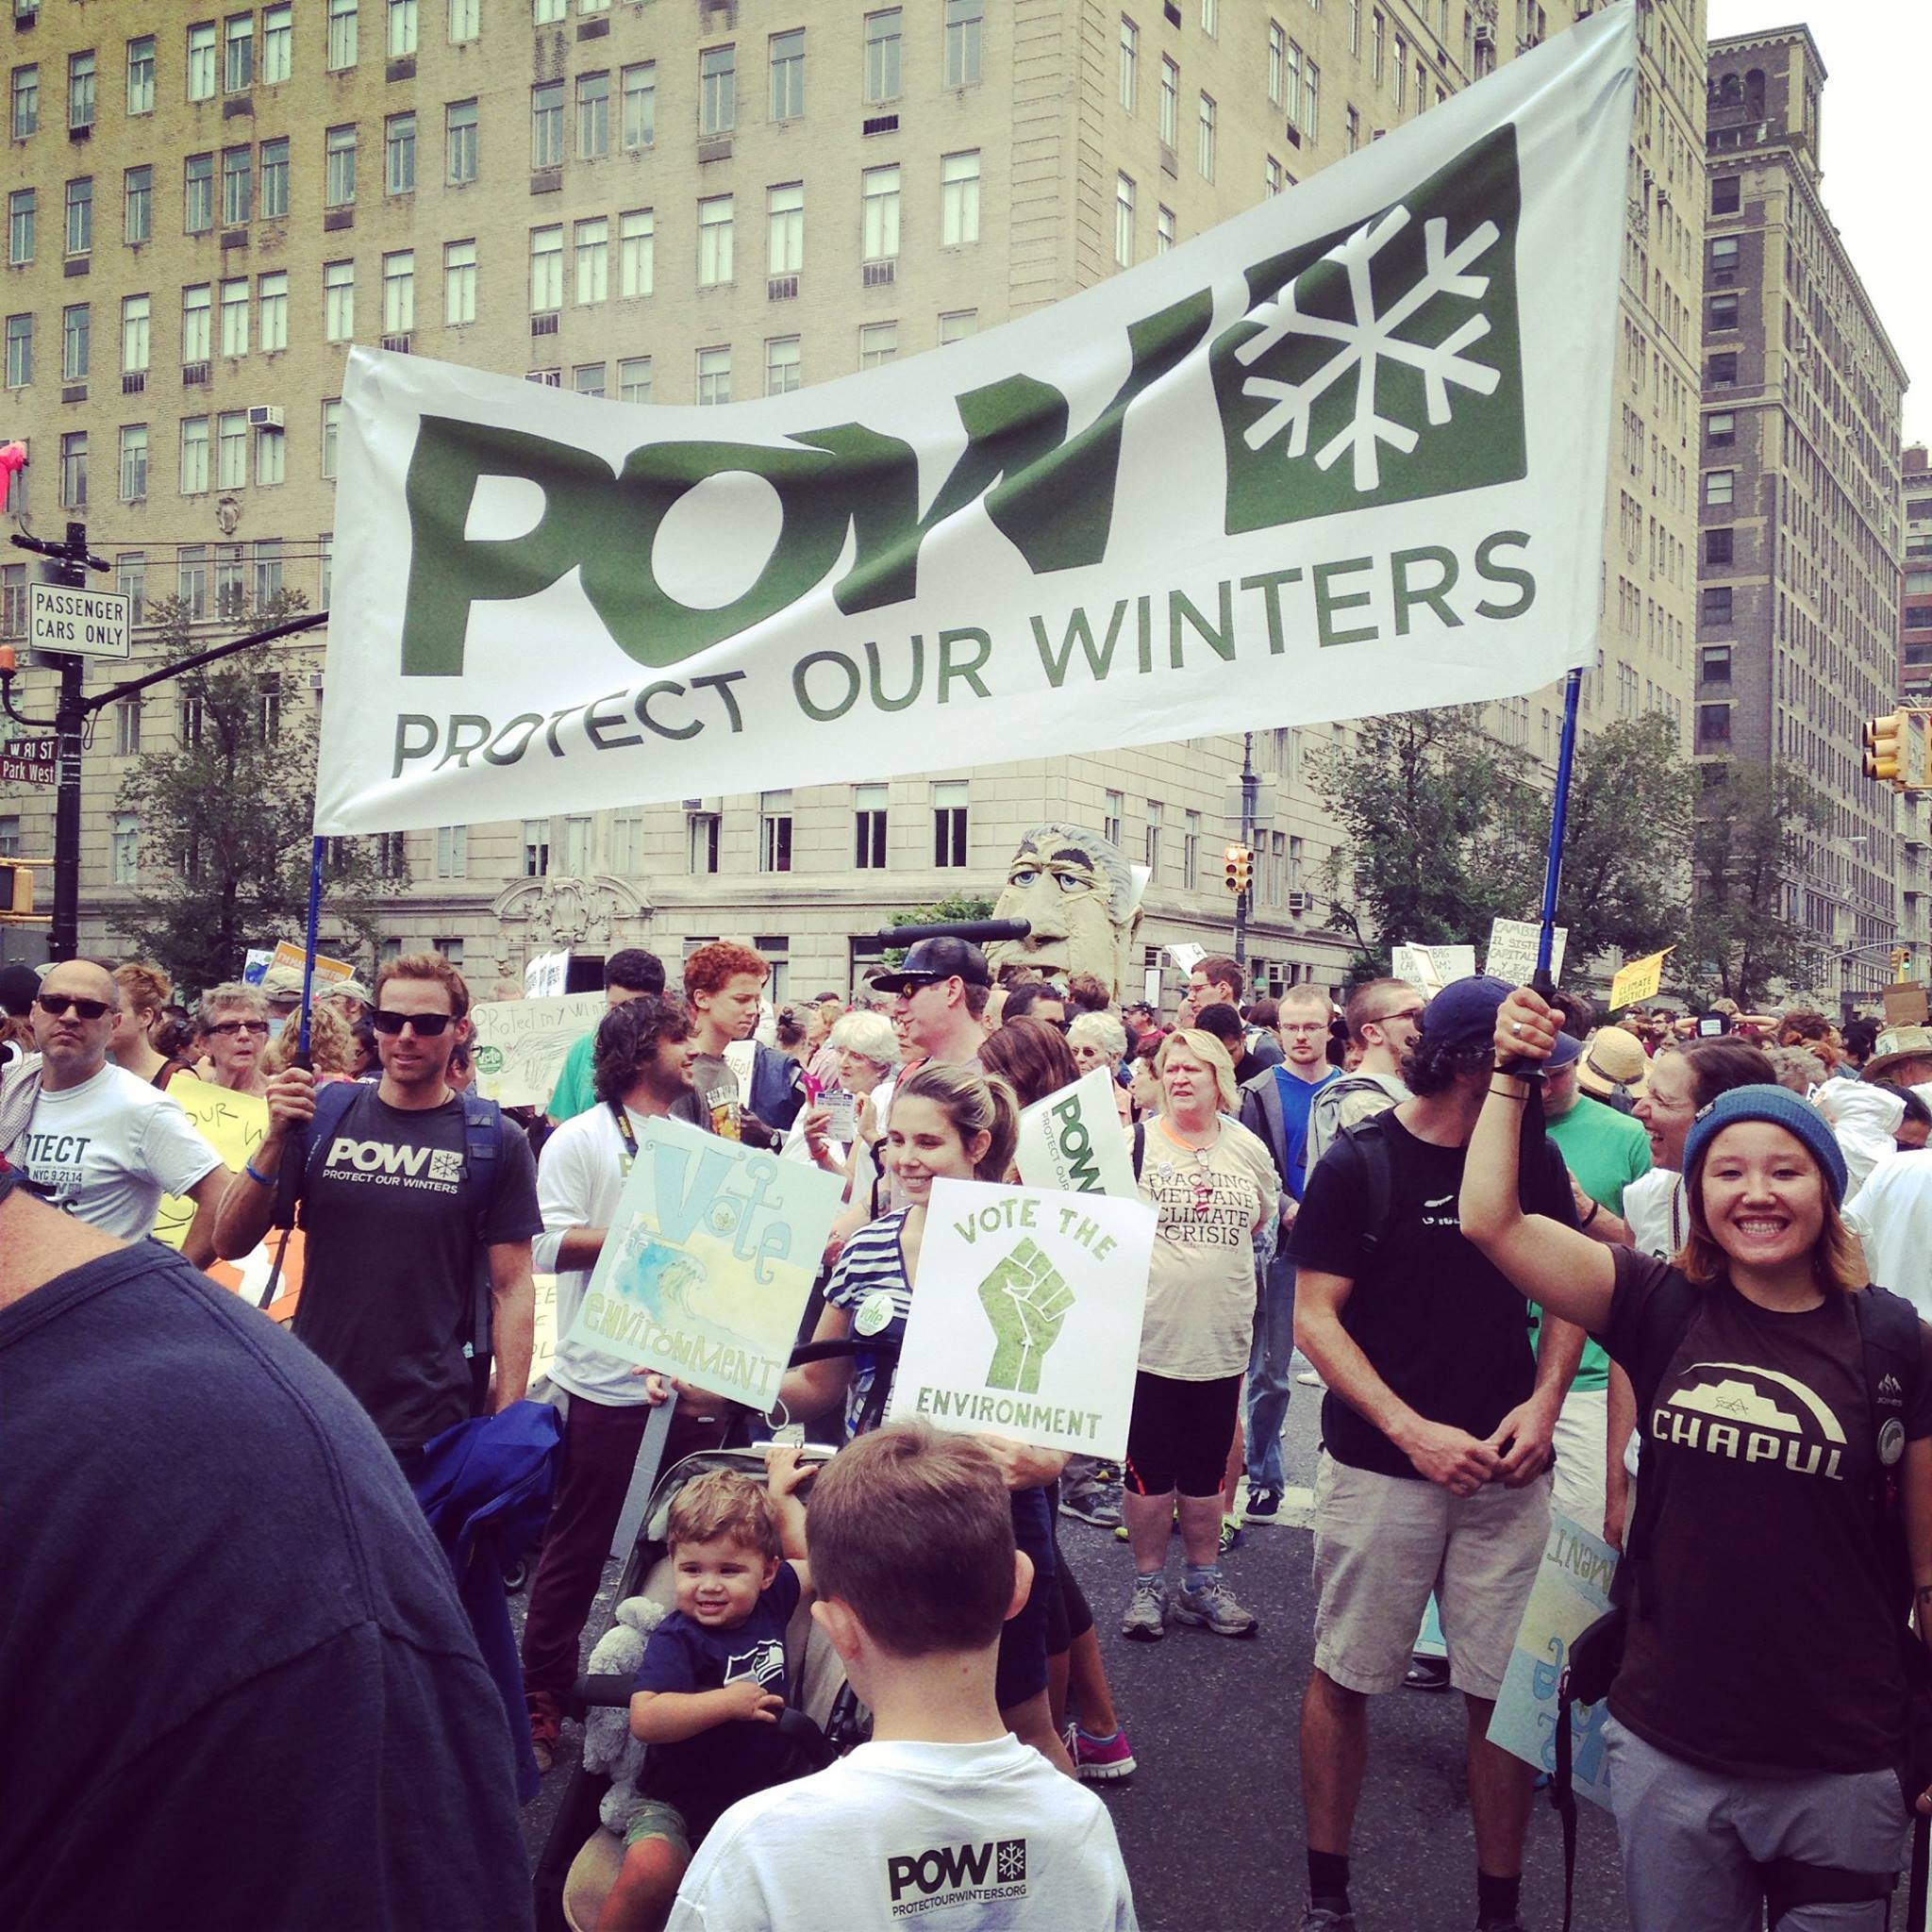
1877 56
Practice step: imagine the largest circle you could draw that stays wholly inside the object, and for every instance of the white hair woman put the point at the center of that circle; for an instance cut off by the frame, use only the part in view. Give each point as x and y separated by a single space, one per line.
1098 1040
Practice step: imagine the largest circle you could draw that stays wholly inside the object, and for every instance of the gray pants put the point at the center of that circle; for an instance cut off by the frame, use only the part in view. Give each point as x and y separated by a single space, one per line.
1689 1839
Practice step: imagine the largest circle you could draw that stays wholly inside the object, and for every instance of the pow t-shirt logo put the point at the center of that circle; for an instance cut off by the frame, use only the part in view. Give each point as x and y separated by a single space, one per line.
1750 1415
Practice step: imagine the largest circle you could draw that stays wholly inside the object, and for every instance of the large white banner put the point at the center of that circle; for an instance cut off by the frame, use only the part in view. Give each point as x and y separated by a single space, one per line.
1346 453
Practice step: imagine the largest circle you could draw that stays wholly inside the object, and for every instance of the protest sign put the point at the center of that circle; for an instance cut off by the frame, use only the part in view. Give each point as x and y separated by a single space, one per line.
546 975
709 1261
1431 967
1639 980
1187 955
1354 442
1071 1141
1512 951
1026 1315
520 1044
254 964
1571 1593
290 952
1905 1004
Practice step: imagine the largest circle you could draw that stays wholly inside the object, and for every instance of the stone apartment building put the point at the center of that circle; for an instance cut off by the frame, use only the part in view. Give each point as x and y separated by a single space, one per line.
686 202
1798 620
1915 616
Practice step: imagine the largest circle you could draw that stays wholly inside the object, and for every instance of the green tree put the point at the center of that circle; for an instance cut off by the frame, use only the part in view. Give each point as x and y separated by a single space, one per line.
224 818
1627 850
948 911
1443 829
1753 823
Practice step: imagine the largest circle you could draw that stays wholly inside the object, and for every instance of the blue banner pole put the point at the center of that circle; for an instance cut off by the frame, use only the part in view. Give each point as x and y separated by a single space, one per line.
1559 815
308 946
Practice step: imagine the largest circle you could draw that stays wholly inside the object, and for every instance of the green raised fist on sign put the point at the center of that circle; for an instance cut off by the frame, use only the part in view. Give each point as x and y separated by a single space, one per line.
1025 1299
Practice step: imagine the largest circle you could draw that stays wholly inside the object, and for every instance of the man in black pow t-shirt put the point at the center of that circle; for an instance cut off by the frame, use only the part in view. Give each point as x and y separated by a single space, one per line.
1435 1436
252 1697
396 1225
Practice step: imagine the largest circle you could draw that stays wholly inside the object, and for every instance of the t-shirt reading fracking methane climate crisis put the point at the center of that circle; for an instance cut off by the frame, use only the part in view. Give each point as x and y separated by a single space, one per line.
391 1261
1765 1643
1437 1323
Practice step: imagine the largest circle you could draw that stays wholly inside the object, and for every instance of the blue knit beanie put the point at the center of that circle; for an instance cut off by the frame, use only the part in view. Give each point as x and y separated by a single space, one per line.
1782 1109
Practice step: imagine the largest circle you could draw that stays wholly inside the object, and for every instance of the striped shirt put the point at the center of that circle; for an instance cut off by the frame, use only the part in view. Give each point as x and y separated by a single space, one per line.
869 1283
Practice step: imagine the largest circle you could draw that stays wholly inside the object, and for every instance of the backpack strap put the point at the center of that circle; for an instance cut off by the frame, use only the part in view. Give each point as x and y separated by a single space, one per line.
1888 1329
332 1104
483 1168
1139 1146
1371 1143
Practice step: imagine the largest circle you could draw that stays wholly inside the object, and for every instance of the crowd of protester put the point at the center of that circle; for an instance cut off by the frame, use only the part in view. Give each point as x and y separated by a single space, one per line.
1529 1260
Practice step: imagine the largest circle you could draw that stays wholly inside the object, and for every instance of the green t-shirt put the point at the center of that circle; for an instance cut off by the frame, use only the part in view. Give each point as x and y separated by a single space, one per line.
575 1093
1605 1150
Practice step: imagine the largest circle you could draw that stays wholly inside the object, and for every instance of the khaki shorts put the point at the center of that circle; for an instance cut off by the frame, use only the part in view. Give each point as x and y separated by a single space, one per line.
1383 1542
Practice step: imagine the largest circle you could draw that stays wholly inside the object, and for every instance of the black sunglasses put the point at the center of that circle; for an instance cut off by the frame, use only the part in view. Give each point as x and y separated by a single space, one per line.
58 1004
428 1025
234 1026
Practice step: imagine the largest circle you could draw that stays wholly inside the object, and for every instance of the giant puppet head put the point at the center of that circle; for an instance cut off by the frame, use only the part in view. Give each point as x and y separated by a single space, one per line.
1082 899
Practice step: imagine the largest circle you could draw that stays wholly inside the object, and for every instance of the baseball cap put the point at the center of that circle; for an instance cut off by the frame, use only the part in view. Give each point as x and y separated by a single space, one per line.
931 959
1462 1017
1614 1063
1781 1108
1566 1052
18 986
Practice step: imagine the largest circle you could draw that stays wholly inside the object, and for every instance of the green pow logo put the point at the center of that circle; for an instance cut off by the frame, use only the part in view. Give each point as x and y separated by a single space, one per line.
1377 365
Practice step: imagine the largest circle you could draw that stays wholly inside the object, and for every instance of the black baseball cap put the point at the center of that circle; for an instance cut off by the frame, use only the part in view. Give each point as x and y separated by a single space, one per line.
932 960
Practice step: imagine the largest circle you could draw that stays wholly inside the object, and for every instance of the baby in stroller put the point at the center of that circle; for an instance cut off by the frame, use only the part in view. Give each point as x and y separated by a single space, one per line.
714 1676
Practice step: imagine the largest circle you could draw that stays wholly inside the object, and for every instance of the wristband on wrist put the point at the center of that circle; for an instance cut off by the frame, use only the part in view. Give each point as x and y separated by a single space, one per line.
1596 1207
260 1180
1509 1094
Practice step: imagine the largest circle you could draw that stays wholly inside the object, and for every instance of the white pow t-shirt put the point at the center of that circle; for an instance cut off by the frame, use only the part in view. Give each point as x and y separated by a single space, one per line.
961 1838
109 1149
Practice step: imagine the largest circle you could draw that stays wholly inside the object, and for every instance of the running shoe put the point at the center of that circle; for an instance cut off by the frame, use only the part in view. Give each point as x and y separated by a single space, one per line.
1427 1673
1100 1758
1214 1608
1232 1535
1308 1378
1264 1500
1320 1919
1094 1500
1145 1620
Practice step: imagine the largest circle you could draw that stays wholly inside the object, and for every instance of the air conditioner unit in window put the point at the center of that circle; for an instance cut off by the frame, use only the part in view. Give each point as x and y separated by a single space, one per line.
1300 905
315 682
703 808
266 416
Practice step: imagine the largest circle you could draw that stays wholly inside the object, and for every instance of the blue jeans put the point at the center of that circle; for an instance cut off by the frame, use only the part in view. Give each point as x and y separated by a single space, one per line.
1268 1375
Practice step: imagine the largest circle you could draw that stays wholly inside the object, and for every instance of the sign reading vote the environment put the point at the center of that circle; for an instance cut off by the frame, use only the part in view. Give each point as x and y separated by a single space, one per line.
1571 1593
1073 1140
521 1044
1513 947
709 1261
1352 442
1026 1315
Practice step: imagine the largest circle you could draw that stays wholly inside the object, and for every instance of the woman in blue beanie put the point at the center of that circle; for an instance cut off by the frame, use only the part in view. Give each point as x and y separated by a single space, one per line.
1757 1732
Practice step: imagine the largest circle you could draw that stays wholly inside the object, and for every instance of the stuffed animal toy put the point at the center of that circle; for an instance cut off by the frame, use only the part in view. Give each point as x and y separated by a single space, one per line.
609 1745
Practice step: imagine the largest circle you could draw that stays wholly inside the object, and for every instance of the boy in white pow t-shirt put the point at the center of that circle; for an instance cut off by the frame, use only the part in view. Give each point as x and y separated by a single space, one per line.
944 1819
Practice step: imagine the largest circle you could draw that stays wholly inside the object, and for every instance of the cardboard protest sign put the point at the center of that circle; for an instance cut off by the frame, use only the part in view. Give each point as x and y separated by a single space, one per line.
1572 1591
547 974
289 954
1639 979
520 1044
710 1256
1905 1004
1071 1141
1512 950
1026 1315
1432 968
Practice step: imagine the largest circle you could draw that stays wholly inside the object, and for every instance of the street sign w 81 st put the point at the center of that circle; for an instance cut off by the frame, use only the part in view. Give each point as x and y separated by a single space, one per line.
86 624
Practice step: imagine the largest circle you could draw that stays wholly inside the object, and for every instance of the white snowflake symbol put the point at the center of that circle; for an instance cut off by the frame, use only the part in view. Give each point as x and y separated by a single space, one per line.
1012 1861
1366 339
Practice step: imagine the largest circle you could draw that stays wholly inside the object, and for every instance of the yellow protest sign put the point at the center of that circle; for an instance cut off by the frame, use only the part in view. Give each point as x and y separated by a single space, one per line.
232 1123
327 971
1640 980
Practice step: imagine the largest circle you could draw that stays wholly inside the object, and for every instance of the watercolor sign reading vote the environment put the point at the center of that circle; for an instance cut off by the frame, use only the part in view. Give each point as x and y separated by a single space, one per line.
710 1258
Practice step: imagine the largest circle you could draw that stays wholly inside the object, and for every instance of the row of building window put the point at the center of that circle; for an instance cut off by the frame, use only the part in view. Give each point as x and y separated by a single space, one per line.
218 582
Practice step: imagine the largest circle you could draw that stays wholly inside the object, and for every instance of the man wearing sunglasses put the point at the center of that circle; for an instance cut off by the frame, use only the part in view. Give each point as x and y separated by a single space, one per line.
400 1220
104 1145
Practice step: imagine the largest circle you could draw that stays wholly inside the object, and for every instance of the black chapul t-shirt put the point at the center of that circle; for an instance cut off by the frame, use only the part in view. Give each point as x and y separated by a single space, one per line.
1766 1644
390 1259
1438 1322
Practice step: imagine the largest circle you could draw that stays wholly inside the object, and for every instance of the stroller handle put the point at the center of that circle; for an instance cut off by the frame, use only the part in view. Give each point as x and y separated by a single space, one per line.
843 1348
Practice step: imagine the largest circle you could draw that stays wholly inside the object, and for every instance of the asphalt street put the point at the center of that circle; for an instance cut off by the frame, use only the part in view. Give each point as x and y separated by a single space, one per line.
1210 1823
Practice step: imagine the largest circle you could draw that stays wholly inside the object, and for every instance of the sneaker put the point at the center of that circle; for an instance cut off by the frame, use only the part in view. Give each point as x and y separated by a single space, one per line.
1214 1608
1427 1673
1310 1379
1100 1758
1320 1919
547 1727
1232 1536
1263 1500
1145 1620
1093 1501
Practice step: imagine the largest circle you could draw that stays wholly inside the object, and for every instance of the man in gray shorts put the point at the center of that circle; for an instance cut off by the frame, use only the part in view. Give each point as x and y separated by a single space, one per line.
1435 1443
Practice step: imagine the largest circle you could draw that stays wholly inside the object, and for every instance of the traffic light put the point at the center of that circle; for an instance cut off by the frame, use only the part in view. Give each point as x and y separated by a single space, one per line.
1882 736
1901 959
16 888
1240 865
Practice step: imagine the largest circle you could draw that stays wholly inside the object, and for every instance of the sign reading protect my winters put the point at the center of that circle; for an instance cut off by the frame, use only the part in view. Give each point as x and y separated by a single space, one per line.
709 1261
1071 1141
1348 449
1026 1316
